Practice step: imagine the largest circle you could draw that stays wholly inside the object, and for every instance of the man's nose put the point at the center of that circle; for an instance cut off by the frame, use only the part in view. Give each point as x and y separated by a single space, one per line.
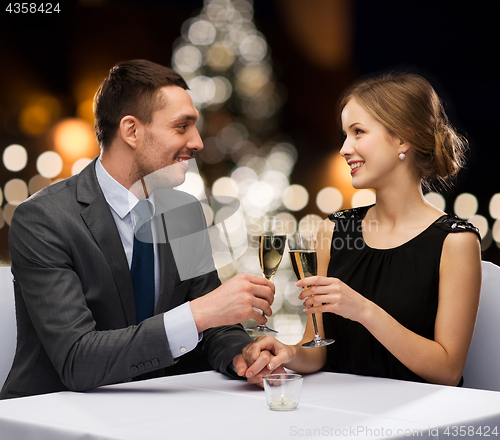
195 143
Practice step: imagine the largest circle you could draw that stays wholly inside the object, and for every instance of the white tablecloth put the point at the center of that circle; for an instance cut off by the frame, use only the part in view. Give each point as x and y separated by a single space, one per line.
211 406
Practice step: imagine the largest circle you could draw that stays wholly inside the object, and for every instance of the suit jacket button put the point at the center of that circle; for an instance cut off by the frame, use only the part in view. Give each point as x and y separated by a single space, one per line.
147 364
134 369
155 362
141 367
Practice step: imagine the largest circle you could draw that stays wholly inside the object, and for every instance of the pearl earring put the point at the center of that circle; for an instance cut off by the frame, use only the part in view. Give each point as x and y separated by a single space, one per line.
402 156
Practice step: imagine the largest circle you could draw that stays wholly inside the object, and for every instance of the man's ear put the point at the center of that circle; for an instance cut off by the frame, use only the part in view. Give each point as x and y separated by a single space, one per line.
128 130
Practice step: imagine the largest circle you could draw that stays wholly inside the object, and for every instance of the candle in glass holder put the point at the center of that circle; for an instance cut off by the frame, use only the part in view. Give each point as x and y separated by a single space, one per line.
282 391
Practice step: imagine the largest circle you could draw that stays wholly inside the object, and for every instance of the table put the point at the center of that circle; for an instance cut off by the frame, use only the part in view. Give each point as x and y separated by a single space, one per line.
210 406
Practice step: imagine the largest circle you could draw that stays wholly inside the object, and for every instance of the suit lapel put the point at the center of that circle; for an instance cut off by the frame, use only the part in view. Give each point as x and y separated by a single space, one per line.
98 218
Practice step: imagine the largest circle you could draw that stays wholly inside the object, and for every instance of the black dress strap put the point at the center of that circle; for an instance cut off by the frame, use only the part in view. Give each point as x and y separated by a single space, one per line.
350 214
452 223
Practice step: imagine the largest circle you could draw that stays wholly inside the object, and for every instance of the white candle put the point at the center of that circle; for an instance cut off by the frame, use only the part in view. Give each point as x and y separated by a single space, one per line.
282 401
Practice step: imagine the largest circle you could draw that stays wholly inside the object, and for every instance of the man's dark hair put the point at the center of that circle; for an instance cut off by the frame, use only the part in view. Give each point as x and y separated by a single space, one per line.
131 88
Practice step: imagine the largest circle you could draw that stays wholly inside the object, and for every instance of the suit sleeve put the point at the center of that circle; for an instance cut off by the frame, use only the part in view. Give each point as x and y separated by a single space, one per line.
48 278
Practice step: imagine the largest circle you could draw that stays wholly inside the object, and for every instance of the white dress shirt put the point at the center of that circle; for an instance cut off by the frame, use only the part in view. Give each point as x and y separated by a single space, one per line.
179 323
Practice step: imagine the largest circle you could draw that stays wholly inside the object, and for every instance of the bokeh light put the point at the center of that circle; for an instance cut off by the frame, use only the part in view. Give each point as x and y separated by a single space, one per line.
223 90
244 177
260 195
251 79
494 207
74 138
281 161
193 185
225 186
275 178
253 48
436 200
187 58
287 222
15 157
496 231
295 197
481 223
8 212
201 90
49 164
310 222
202 33
15 191
79 165
329 200
465 205
363 197
221 56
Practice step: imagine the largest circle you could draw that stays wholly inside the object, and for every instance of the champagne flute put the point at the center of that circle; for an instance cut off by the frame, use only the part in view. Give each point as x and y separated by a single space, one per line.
271 248
304 262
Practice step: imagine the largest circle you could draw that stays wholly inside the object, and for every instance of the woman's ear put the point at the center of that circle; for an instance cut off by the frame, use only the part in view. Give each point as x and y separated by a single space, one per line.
404 147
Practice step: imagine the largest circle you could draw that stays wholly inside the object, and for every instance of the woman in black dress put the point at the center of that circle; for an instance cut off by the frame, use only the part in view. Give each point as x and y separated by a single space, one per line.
398 282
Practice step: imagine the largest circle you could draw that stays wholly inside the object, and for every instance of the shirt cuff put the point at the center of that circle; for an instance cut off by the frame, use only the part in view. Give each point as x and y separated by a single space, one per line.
181 330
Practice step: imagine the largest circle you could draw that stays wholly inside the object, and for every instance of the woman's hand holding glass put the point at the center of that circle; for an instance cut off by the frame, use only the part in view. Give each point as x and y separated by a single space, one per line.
330 295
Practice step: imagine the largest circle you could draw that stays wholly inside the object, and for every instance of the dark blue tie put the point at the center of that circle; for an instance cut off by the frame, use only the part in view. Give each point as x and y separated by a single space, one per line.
142 268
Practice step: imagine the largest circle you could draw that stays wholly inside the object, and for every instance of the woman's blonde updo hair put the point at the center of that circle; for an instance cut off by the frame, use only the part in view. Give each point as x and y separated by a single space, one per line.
410 109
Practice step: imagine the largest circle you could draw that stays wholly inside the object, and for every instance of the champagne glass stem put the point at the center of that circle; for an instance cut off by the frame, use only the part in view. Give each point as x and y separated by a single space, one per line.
316 331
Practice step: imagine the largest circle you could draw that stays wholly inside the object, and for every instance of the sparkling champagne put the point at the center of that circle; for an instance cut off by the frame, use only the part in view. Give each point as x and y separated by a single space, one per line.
304 263
271 248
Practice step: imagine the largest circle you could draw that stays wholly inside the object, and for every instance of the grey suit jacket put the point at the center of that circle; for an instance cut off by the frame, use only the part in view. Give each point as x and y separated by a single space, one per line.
74 297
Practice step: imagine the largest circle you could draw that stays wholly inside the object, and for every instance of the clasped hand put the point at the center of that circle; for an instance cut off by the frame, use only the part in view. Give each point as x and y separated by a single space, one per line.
267 355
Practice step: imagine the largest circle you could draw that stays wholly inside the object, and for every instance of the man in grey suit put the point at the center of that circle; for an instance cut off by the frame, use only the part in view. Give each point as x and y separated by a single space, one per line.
72 247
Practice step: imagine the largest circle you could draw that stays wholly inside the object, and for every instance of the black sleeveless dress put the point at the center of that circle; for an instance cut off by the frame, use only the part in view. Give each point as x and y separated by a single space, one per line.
403 281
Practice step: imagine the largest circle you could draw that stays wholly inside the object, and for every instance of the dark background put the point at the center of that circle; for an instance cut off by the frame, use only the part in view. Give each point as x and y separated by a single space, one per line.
453 44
